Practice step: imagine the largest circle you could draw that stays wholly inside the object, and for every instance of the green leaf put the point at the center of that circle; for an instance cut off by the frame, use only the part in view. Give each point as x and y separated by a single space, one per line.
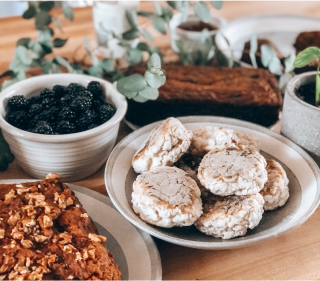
7 73
146 34
67 11
130 95
131 34
46 66
43 19
217 4
38 51
139 98
135 55
46 5
96 71
132 18
274 65
154 61
143 46
157 8
167 14
159 24
57 23
154 81
181 6
288 62
30 13
202 11
306 56
133 83
107 65
23 54
7 83
46 47
24 42
154 50
95 61
267 53
57 42
149 93
63 62
253 50
146 14
44 35
20 75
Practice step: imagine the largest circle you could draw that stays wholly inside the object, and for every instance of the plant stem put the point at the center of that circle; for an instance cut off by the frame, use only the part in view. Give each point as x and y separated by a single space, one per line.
318 85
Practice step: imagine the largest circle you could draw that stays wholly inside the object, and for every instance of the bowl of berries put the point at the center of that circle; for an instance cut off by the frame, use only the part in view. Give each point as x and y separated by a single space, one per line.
63 123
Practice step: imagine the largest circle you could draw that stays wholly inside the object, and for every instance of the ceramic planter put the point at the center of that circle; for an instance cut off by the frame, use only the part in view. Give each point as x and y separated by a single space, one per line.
300 120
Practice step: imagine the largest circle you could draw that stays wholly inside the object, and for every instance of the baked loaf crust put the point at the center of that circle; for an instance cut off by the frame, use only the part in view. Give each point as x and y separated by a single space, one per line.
247 94
46 234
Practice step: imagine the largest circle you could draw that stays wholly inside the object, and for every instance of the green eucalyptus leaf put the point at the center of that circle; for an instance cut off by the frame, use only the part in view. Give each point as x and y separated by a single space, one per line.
167 14
130 95
38 51
95 61
143 46
139 98
46 5
43 19
7 73
132 18
107 65
35 63
57 42
274 65
63 62
306 56
159 24
135 55
157 8
182 6
283 81
146 14
288 62
23 54
46 47
202 11
109 32
46 66
154 61
96 71
149 93
154 81
30 13
20 75
267 53
253 43
217 4
131 34
154 50
57 23
44 35
24 42
67 11
7 83
146 34
56 67
132 83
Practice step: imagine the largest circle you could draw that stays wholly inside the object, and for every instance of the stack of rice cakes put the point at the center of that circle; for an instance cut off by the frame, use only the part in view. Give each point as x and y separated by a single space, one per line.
219 182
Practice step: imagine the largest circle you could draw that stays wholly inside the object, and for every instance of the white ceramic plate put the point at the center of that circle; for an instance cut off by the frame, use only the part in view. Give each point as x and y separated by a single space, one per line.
282 30
135 252
302 172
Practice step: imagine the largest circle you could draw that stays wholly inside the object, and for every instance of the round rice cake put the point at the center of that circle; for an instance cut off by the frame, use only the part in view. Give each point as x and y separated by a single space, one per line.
166 197
231 216
206 139
164 146
276 191
233 172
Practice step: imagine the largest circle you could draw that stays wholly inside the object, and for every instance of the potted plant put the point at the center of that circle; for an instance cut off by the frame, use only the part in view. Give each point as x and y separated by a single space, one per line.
301 105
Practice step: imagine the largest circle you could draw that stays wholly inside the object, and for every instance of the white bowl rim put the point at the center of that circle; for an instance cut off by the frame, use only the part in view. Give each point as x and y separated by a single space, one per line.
115 119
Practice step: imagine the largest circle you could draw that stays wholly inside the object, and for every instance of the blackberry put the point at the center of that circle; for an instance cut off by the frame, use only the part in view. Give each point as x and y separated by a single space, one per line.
73 89
105 112
96 104
47 93
49 102
59 91
92 126
18 119
42 127
65 127
35 109
18 103
66 114
95 88
35 100
66 100
86 94
49 115
81 104
86 119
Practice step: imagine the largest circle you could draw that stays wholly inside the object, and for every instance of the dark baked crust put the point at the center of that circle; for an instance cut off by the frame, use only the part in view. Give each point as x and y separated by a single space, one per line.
248 94
46 234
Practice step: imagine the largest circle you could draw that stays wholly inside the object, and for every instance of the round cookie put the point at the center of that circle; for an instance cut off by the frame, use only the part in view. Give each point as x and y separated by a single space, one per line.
210 138
231 216
166 197
164 146
233 172
276 191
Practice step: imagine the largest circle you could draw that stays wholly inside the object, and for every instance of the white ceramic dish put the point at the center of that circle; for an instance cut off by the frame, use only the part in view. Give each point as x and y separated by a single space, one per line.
73 156
303 174
192 38
138 257
282 30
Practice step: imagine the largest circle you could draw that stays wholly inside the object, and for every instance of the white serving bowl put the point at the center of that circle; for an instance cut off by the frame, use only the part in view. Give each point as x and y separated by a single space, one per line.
73 156
191 38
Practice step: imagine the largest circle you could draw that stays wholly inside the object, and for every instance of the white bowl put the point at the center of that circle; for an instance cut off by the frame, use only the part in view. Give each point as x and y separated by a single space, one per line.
192 38
73 156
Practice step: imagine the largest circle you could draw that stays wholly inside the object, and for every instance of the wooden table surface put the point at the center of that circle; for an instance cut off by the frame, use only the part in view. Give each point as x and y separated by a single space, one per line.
295 255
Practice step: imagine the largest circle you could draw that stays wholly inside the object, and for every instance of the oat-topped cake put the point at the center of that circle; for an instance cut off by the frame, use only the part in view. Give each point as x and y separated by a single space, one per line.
46 234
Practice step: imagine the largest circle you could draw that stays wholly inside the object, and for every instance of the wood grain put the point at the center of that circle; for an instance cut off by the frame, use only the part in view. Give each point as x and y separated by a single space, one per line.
294 255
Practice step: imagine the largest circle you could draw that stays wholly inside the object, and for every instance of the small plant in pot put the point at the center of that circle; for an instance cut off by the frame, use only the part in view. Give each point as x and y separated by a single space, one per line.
301 105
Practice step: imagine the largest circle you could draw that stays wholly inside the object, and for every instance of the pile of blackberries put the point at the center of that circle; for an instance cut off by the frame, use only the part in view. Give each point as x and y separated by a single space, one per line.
62 110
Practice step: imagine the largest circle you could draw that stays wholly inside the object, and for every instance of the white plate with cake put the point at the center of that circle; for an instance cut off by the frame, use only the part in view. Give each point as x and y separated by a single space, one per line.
149 200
